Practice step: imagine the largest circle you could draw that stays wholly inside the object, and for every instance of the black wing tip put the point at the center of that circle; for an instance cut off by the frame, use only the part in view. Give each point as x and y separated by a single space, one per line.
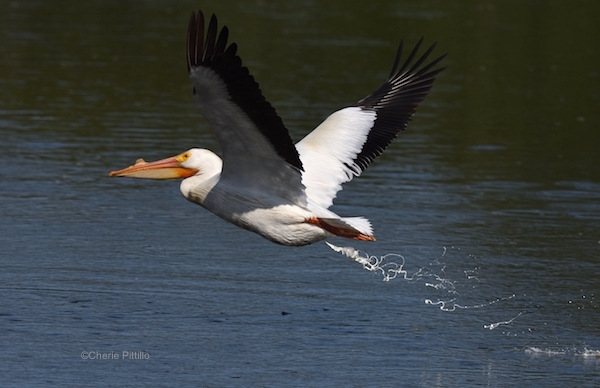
405 77
204 46
395 73
210 49
396 101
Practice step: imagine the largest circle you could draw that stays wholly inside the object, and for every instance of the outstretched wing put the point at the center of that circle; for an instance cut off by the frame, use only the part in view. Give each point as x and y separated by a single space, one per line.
258 152
344 145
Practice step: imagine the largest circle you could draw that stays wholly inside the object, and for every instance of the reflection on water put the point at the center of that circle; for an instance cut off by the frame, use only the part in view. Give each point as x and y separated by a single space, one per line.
490 200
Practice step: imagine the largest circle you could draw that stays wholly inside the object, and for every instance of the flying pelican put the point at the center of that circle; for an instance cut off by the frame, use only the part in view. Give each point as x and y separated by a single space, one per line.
265 183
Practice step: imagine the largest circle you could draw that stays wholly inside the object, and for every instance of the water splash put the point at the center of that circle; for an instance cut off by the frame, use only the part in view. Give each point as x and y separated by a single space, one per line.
392 266
583 352
388 269
492 326
534 350
590 354
451 305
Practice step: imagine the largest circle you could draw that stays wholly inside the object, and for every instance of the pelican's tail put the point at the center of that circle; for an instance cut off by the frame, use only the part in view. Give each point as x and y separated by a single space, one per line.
357 228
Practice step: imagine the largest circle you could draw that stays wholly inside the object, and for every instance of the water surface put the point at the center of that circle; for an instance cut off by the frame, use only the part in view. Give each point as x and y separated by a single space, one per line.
492 197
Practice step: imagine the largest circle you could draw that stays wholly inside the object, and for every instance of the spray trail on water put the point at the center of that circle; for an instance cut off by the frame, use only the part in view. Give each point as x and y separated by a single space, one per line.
391 266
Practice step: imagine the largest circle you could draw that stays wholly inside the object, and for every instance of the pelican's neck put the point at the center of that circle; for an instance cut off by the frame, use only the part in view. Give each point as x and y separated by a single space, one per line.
197 187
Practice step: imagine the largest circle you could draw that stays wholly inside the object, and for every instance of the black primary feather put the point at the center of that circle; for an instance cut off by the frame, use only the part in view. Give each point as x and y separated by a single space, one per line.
396 101
212 52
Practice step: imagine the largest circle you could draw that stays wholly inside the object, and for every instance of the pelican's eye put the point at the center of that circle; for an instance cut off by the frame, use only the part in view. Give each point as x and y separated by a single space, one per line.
183 157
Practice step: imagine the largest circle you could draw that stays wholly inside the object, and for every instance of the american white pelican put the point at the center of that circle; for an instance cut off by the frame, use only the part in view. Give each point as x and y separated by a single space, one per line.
265 183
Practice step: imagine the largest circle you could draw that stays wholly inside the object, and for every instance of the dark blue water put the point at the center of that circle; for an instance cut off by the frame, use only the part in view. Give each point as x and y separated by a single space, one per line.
490 203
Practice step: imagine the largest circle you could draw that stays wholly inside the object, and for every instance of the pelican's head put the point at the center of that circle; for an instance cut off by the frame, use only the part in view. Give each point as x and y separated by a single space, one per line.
191 162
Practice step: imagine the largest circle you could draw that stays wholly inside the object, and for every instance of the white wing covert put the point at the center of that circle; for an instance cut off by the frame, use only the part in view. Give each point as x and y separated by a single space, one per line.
344 145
